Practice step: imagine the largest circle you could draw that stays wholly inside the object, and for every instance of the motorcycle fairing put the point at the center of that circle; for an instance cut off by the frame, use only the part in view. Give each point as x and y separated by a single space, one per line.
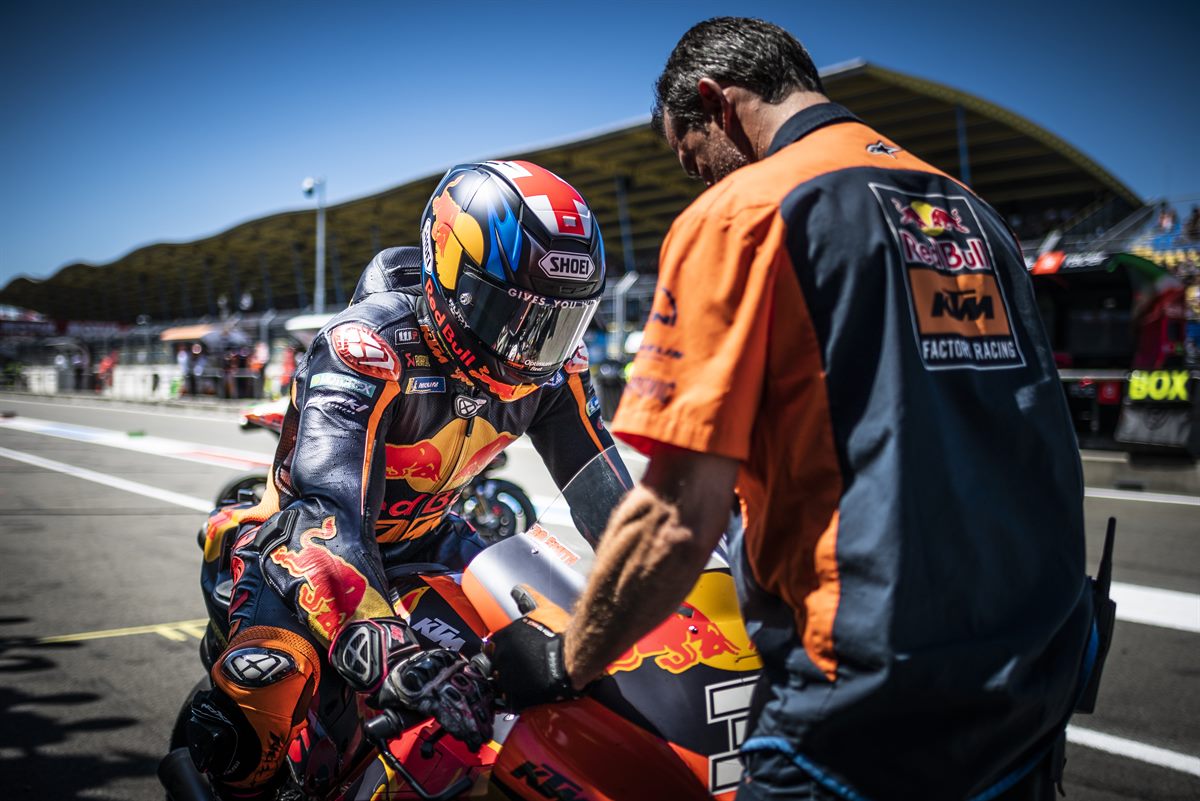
583 750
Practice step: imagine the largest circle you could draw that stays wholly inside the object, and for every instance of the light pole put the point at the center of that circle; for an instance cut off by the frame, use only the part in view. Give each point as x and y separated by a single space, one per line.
317 185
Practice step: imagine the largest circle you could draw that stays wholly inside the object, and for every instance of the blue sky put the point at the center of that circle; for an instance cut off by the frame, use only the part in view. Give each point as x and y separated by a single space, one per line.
127 123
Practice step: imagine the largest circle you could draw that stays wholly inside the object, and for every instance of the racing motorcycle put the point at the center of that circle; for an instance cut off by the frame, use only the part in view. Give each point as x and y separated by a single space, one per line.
665 722
495 507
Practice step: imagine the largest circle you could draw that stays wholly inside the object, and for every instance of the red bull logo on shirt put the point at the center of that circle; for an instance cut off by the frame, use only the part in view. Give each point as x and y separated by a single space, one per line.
932 220
960 315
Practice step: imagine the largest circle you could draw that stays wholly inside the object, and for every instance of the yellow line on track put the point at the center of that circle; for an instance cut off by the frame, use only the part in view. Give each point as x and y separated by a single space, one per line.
178 631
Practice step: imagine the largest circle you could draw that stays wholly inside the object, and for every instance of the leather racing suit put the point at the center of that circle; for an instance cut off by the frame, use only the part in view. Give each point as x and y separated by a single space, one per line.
382 432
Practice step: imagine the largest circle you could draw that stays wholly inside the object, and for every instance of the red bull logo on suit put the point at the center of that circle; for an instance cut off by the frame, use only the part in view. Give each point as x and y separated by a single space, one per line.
333 592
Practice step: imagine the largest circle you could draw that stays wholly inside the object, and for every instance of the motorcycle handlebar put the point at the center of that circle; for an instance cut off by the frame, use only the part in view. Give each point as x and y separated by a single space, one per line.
388 724
384 726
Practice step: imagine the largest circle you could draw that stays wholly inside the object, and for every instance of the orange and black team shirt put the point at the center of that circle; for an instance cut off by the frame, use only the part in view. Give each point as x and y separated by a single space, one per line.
858 329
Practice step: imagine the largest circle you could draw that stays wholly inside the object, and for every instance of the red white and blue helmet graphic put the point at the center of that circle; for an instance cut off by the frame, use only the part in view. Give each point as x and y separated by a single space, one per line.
513 269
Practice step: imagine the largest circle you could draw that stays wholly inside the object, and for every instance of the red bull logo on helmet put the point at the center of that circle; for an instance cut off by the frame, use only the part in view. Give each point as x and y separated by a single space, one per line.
453 232
219 522
691 637
333 592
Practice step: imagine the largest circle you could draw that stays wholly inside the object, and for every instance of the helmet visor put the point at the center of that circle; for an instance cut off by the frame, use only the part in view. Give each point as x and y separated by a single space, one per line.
531 332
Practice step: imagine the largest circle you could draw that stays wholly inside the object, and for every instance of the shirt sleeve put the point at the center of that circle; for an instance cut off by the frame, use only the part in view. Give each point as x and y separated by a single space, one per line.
698 375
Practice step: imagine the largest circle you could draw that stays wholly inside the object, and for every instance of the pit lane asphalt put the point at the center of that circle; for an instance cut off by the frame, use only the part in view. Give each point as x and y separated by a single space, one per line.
89 718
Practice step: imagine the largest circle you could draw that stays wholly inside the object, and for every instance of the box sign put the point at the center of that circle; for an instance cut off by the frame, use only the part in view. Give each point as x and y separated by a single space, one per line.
1159 385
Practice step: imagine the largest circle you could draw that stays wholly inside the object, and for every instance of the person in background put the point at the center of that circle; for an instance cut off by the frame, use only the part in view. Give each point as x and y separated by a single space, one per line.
183 360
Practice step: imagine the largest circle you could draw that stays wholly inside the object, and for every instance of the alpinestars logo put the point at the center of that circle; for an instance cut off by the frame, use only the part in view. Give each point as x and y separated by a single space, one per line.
882 148
568 266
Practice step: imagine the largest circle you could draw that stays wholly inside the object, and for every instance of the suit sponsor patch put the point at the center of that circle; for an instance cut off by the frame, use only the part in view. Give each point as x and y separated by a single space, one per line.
343 382
960 315
364 351
425 385
345 403
407 336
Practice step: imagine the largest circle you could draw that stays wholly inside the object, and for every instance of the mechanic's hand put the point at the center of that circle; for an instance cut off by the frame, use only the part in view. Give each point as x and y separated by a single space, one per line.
527 654
448 687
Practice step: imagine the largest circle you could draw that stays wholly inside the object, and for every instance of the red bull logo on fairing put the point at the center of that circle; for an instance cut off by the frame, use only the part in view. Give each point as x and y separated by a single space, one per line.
690 637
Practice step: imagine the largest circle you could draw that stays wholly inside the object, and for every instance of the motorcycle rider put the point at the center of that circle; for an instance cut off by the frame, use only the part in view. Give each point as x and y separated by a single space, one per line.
403 397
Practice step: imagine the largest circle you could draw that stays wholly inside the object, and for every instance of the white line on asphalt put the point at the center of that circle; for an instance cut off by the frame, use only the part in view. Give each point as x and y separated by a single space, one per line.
1145 497
1155 607
156 446
216 418
1150 754
167 496
1096 457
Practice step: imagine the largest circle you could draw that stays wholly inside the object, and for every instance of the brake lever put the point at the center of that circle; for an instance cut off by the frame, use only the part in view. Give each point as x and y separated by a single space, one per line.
388 724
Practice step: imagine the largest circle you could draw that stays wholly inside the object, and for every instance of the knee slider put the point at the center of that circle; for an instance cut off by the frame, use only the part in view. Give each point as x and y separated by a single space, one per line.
267 678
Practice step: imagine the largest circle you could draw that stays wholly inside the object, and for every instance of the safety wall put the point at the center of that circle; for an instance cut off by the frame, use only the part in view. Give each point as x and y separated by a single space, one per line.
144 382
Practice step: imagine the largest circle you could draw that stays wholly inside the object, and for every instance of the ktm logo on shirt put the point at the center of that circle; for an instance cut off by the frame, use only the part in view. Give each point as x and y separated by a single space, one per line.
962 305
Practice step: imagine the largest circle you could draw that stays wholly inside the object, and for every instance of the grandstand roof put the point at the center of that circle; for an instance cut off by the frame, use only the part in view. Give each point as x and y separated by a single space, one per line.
1029 174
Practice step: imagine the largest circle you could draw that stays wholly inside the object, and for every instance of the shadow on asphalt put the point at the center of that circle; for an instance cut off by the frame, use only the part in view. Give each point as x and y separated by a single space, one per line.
33 764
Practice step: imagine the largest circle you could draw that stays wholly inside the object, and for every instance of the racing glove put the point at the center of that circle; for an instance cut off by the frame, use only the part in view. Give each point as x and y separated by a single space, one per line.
382 659
527 654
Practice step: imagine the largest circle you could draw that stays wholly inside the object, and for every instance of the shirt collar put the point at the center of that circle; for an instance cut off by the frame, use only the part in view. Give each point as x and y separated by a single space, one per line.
802 123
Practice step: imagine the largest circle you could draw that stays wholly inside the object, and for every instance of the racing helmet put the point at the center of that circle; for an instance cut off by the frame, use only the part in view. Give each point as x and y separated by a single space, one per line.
512 271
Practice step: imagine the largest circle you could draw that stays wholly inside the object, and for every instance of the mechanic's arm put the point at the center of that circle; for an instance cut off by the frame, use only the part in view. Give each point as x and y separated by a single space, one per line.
652 552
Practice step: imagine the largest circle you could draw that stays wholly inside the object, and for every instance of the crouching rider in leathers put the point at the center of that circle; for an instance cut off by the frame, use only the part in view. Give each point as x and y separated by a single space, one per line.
402 399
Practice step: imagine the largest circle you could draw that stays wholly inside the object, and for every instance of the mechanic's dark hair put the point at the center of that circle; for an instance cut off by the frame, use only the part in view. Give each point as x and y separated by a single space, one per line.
741 51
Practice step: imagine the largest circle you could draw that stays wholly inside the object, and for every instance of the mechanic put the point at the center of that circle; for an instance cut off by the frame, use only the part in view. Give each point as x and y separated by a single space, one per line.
402 399
846 336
